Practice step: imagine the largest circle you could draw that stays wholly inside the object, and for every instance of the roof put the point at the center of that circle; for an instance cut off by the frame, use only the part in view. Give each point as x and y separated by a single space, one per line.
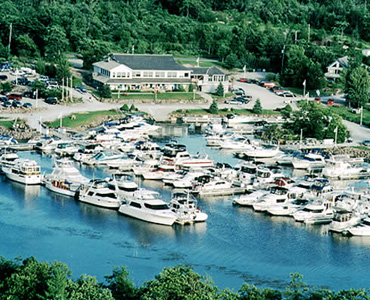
148 62
107 65
209 71
343 61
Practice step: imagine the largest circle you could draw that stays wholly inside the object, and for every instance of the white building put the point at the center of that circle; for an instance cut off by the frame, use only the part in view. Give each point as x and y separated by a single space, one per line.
147 72
335 68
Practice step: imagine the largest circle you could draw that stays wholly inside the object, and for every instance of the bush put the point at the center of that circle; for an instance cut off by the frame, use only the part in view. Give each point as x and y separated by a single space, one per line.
220 90
257 108
125 107
105 91
213 109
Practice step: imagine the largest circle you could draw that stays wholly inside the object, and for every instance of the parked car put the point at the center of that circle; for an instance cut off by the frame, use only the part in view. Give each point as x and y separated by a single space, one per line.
52 85
28 94
234 102
330 101
7 104
21 81
81 89
16 104
3 77
14 96
51 100
318 99
3 99
366 143
243 80
27 105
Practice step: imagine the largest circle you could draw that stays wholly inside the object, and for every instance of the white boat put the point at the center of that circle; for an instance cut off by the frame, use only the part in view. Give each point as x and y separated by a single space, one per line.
124 184
47 144
310 160
343 221
7 140
24 171
146 166
187 180
315 213
249 199
278 196
186 209
170 178
261 152
162 170
185 160
148 206
238 144
287 209
66 149
216 186
344 169
102 158
65 178
8 159
362 229
97 192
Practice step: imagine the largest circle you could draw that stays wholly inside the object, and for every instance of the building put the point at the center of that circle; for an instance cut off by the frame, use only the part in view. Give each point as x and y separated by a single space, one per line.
335 68
145 72
141 72
208 79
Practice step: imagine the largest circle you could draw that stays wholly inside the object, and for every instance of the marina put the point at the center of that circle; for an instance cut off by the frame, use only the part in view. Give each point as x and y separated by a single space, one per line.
233 244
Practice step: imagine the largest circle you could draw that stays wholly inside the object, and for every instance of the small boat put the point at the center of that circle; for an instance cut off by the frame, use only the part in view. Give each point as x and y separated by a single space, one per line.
343 221
362 229
98 192
261 152
216 186
8 159
315 213
147 206
249 199
186 209
25 171
310 160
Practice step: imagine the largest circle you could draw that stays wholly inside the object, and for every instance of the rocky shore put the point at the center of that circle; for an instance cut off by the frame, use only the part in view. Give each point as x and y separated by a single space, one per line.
351 151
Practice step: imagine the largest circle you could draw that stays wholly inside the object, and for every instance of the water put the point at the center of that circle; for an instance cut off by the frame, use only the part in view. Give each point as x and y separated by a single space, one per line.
236 245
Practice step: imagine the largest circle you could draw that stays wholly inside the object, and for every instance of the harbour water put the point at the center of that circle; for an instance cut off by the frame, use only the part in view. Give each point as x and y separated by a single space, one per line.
236 244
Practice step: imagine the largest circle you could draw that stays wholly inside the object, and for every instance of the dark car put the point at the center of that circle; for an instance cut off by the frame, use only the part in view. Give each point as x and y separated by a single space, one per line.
16 104
366 143
14 96
3 77
81 89
3 99
27 105
51 100
29 94
7 104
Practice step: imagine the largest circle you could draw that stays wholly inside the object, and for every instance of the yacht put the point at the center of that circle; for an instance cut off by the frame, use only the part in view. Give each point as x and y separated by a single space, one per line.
261 152
288 208
148 206
98 192
162 170
186 209
65 178
315 213
343 221
249 199
216 186
146 166
24 171
238 144
362 229
46 144
8 159
66 149
102 158
310 160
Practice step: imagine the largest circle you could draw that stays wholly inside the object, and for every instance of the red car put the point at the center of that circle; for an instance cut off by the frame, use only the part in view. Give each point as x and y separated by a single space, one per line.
330 101
318 99
14 96
243 79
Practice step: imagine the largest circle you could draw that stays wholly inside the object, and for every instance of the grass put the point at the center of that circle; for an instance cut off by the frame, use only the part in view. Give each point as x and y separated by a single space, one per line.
348 115
202 64
216 97
7 124
82 118
226 111
363 148
160 96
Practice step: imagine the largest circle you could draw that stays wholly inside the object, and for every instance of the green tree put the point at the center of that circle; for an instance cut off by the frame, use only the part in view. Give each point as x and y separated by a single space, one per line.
121 285
357 87
56 41
257 107
231 61
133 108
62 69
213 109
191 87
125 107
87 287
178 283
40 67
220 90
26 46
58 282
105 91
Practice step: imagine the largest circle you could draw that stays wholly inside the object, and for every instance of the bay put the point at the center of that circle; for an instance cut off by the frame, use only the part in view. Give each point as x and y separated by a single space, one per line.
236 245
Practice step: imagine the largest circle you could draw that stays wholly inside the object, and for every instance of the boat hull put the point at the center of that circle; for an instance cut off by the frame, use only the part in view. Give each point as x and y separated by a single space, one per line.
161 219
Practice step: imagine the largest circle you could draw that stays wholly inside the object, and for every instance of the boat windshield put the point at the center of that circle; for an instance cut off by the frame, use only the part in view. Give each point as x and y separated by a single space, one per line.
156 206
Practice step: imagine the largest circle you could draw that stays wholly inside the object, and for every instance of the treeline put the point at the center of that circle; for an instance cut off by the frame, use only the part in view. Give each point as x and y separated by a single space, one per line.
29 279
271 35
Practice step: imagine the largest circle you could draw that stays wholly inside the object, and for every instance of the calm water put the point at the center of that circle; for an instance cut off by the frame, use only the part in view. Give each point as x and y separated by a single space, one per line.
236 245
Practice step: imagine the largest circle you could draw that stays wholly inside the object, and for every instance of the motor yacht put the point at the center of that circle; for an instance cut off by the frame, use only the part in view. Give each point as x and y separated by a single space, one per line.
315 213
310 160
98 193
8 159
288 208
343 221
261 152
362 229
147 206
186 209
249 199
25 171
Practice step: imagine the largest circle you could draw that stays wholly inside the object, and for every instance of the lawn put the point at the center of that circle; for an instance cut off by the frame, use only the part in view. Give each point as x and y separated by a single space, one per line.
160 96
348 115
82 118
7 124
225 111
202 64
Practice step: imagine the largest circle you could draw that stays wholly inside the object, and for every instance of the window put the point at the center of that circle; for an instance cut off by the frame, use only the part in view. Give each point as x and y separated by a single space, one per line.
134 204
148 74
186 75
156 206
137 74
159 74
114 74
172 74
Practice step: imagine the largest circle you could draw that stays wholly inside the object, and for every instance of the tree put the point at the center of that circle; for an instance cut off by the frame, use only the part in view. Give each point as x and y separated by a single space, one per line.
56 41
121 285
231 61
40 67
191 87
178 283
213 109
357 87
220 90
62 69
133 108
125 107
105 91
257 107
58 282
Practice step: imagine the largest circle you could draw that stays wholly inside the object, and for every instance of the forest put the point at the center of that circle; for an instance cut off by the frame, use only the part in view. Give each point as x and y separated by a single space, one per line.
29 279
296 38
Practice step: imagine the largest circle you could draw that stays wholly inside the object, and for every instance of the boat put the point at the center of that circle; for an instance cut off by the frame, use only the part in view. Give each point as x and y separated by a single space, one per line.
46 144
97 192
8 159
249 199
146 166
65 178
162 170
343 221
260 152
344 167
318 212
147 206
362 229
288 208
186 209
216 186
25 171
184 160
310 160
7 140
102 158
241 143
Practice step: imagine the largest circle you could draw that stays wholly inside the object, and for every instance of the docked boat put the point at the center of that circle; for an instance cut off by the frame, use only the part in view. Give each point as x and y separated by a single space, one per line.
8 159
315 213
102 158
310 160
288 208
66 149
25 171
249 199
362 229
261 152
65 178
216 186
345 169
98 193
147 206
162 170
343 221
238 144
186 209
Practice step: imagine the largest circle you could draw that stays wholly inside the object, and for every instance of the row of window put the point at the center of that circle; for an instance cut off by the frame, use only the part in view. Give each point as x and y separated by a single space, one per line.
145 74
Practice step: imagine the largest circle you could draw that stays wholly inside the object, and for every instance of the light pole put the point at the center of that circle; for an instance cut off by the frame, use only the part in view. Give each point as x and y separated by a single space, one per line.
361 115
